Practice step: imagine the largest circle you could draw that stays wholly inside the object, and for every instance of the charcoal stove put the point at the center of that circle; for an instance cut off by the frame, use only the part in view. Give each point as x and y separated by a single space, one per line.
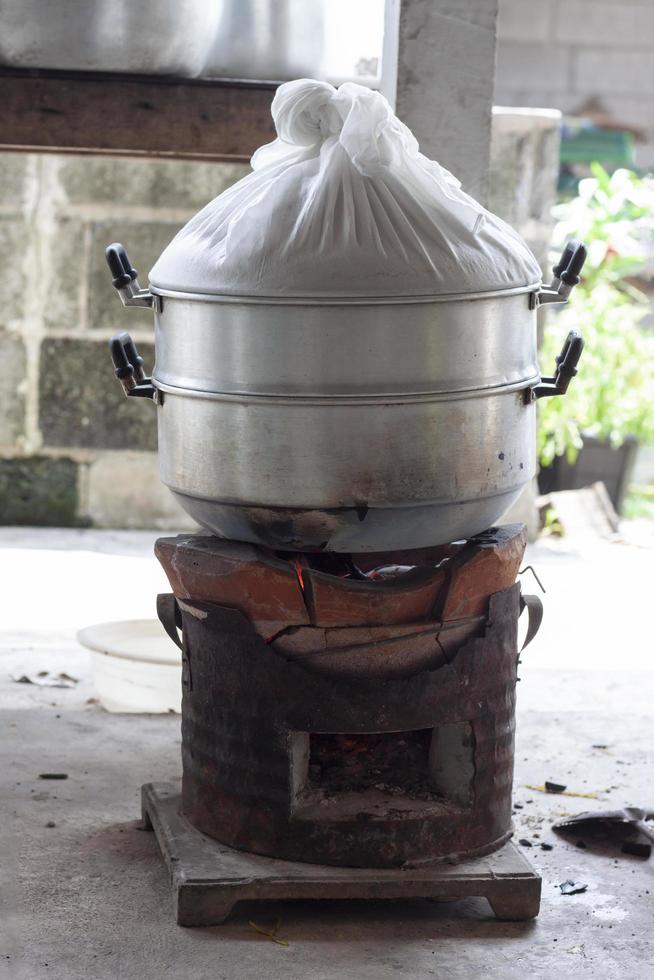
347 724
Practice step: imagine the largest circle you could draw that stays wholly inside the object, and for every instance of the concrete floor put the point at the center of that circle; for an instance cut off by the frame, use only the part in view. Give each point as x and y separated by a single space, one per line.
88 897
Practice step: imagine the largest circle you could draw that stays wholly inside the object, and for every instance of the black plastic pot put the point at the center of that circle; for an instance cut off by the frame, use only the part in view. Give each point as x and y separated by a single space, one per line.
596 461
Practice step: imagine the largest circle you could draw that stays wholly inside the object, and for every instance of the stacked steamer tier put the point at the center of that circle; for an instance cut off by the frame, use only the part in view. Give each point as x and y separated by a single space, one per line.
345 342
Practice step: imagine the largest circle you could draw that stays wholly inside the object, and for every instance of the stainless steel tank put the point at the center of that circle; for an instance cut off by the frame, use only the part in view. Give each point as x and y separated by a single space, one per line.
148 37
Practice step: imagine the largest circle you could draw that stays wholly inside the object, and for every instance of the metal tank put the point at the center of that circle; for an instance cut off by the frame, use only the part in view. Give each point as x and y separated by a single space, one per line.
151 38
346 425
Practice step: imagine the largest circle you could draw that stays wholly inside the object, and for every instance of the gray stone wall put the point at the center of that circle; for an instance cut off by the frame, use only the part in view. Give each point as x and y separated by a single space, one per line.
73 449
560 53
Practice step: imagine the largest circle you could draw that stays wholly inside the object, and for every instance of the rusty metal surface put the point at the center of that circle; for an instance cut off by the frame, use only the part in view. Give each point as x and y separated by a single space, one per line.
242 703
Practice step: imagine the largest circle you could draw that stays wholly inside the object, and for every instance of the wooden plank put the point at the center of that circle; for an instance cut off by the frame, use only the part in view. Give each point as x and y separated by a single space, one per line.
86 112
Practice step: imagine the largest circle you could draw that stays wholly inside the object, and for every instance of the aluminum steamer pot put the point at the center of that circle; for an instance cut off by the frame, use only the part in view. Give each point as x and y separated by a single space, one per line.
345 425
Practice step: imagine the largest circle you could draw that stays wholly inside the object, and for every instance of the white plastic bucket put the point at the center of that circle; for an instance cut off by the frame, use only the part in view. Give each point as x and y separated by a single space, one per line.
135 666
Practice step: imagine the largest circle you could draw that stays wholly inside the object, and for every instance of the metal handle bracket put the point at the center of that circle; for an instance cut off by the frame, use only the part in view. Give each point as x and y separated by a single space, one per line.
565 274
125 279
566 368
128 367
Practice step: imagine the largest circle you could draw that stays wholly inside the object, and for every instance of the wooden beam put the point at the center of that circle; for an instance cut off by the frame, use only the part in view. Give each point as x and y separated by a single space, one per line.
133 115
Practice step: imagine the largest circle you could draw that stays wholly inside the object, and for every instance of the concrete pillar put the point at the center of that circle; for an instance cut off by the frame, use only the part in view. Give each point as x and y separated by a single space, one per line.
439 72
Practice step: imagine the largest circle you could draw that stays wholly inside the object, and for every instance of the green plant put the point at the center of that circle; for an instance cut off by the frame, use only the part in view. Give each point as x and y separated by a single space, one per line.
613 394
552 526
640 503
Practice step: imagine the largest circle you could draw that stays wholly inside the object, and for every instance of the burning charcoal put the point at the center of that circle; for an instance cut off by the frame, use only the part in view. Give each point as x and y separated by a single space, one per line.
570 887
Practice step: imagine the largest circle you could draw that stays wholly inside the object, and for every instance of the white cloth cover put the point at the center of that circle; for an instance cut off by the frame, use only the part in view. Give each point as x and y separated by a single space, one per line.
343 203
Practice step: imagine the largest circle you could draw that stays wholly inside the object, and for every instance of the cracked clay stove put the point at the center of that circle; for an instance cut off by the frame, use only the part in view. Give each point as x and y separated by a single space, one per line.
342 714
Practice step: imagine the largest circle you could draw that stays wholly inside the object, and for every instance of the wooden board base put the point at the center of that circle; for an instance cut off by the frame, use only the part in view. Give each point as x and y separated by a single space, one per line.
209 878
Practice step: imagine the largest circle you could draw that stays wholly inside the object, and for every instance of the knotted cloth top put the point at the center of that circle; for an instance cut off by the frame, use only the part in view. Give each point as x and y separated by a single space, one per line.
343 203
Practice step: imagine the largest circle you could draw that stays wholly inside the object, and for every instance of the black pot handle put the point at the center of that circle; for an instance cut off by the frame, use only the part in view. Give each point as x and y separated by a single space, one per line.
124 279
578 252
566 274
571 263
566 366
128 366
564 261
122 270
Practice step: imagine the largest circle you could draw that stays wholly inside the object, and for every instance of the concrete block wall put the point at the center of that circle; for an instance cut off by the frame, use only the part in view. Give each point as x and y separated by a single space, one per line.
560 53
523 174
73 449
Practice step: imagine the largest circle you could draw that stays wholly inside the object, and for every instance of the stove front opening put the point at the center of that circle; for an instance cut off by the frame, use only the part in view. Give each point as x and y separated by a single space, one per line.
345 774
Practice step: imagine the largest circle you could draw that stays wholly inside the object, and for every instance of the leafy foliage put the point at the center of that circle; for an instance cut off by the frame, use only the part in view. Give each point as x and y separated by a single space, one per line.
613 395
